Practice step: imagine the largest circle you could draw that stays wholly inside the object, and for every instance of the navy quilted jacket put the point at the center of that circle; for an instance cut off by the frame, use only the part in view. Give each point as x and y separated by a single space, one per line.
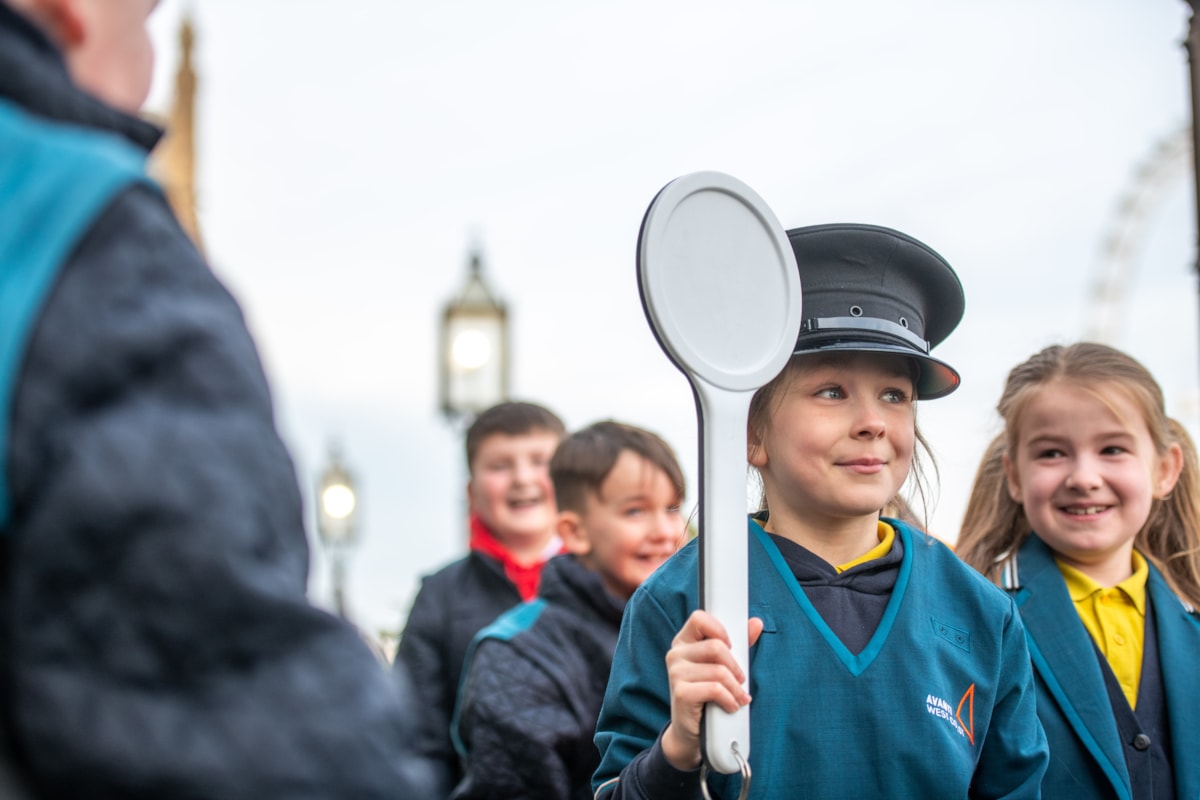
532 690
453 605
155 637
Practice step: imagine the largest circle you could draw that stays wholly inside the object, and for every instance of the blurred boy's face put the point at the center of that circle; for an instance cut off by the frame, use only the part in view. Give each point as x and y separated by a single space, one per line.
107 47
630 527
510 487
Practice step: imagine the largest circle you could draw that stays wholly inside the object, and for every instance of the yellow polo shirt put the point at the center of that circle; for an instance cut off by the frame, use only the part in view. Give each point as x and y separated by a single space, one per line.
1115 618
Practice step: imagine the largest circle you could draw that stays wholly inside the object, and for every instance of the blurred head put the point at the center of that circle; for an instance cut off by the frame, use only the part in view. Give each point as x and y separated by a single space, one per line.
508 453
510 419
619 490
105 44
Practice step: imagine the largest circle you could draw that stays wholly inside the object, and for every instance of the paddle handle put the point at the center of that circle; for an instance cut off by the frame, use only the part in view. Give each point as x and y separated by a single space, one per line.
723 554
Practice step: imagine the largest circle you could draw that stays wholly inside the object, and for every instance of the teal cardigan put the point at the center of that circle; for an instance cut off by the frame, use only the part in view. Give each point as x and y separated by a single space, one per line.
940 703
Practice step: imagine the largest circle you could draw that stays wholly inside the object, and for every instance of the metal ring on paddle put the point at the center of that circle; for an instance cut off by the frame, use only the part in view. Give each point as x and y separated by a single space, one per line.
743 766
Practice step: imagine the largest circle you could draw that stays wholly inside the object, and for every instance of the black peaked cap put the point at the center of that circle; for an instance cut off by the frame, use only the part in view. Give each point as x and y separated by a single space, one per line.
868 288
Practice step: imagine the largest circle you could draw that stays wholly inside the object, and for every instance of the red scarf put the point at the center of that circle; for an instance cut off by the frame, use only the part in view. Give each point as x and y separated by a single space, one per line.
525 577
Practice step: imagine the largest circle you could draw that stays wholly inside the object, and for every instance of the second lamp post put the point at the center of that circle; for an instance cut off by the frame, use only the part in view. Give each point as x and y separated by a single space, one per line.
337 522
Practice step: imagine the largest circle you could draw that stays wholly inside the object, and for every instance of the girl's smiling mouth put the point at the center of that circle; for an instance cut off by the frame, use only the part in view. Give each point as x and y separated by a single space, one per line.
864 466
1084 511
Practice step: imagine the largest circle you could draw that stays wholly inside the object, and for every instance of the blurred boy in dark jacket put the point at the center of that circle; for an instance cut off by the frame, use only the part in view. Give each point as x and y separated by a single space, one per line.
512 516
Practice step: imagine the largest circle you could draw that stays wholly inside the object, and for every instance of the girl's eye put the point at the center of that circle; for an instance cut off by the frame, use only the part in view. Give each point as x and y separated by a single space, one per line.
895 396
832 393
1049 452
633 512
1112 450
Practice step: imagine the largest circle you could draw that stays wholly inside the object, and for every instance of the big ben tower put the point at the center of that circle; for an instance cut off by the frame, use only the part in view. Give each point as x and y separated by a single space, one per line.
173 163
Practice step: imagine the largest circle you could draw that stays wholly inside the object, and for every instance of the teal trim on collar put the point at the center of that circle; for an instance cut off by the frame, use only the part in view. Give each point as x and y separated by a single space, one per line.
54 180
516 620
1120 783
856 664
1066 662
1178 643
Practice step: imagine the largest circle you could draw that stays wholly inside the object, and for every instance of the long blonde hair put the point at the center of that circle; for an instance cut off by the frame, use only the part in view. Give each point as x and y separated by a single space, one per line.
995 525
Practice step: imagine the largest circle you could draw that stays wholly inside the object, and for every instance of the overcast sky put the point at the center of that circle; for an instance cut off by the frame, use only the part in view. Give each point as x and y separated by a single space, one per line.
352 154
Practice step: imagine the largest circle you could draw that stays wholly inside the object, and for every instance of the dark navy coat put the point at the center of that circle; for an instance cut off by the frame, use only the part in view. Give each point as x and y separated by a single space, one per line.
155 636
453 605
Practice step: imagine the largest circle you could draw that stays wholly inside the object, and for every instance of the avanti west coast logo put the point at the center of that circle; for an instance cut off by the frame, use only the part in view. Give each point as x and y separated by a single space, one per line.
960 717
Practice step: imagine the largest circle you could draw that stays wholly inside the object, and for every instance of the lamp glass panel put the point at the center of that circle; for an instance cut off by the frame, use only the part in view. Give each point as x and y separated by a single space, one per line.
475 368
337 501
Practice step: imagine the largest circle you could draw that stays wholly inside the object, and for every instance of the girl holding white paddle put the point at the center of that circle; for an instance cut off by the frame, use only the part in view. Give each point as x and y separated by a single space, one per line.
880 666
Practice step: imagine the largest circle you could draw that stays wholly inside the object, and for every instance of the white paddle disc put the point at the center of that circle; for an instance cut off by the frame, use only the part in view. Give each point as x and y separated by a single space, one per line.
721 291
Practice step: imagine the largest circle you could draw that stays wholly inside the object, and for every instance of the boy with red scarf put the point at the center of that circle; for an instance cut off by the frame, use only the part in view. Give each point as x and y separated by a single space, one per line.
512 516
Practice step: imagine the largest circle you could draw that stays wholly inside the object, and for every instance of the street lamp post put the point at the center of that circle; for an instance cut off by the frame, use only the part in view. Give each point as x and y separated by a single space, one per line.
1193 49
473 349
337 521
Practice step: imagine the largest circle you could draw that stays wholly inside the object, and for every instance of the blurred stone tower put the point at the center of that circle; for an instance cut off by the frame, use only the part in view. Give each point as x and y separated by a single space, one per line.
173 162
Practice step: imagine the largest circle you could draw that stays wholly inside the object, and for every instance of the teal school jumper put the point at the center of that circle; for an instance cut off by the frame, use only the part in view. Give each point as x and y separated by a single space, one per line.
940 703
1086 757
54 180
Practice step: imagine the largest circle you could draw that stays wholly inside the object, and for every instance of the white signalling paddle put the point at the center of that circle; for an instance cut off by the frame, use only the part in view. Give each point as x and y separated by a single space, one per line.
721 291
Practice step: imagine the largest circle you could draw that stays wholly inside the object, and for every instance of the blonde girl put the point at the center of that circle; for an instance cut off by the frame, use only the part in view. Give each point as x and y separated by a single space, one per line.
880 665
1086 510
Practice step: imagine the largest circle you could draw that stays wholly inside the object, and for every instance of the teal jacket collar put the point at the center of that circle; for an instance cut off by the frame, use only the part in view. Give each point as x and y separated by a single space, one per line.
1064 658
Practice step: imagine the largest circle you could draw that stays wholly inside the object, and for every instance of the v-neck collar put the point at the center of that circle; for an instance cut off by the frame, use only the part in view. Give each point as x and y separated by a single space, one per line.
855 664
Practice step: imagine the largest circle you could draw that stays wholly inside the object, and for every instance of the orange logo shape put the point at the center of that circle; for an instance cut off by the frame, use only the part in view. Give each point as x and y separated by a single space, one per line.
968 699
